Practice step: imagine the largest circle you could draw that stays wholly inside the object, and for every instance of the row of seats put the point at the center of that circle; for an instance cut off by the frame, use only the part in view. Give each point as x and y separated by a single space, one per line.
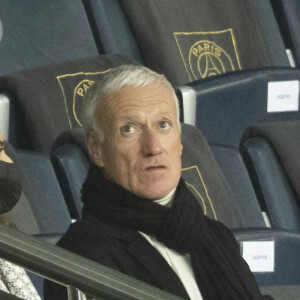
248 186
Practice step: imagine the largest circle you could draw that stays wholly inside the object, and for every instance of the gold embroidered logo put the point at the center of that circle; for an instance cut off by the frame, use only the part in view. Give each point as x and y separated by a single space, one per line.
74 88
207 54
194 181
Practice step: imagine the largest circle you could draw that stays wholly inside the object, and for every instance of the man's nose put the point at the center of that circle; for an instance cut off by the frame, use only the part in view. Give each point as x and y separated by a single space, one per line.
151 143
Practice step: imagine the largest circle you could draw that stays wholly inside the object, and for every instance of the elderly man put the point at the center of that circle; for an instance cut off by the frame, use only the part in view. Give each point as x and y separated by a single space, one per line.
138 215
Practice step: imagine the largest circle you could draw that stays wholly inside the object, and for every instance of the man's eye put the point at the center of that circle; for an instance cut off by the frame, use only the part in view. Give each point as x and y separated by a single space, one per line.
164 125
127 129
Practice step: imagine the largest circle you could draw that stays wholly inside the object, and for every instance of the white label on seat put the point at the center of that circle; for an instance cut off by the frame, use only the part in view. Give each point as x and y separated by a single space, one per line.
260 255
283 96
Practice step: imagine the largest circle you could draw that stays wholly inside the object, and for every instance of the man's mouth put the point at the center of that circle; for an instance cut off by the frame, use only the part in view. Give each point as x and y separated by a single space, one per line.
156 168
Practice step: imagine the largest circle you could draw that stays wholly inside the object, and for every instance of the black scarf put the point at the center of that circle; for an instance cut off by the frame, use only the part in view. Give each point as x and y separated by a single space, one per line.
219 270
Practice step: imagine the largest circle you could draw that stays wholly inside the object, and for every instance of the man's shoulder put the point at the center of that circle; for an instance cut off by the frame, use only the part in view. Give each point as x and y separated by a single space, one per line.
92 239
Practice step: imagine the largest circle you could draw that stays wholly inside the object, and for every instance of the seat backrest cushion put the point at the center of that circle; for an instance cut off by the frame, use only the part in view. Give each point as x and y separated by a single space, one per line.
284 137
111 30
272 186
44 210
233 167
227 105
198 38
38 33
205 179
51 97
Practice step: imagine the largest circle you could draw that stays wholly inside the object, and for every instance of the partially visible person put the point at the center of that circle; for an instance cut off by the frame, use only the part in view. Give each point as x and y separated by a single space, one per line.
13 279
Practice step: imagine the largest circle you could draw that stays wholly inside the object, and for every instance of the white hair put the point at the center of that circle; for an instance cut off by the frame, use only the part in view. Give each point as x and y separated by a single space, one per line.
113 81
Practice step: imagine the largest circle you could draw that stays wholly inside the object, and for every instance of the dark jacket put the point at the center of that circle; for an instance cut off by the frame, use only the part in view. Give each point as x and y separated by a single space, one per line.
123 250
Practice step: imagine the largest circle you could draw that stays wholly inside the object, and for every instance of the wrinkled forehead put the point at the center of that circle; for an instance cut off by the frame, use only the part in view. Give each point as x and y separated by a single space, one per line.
134 100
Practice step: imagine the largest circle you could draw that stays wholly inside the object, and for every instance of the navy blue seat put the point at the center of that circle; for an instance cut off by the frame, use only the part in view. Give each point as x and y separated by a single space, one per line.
224 107
271 152
42 208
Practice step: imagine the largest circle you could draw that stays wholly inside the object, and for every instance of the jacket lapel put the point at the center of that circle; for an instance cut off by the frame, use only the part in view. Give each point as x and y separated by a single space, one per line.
156 265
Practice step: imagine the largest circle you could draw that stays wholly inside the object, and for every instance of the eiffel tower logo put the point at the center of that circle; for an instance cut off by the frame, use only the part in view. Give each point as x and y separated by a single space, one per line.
212 66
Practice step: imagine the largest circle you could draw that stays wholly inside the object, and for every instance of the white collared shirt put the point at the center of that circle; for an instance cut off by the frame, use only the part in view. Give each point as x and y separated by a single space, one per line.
181 264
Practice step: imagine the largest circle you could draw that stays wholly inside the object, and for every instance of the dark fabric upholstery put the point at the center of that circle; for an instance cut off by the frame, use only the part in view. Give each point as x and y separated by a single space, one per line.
271 183
51 96
111 30
197 39
37 33
233 167
284 137
205 179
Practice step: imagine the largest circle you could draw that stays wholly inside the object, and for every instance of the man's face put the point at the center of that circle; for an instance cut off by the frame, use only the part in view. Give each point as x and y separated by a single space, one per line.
142 148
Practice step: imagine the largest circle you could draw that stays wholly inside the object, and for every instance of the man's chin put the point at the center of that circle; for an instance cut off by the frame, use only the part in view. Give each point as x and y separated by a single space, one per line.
155 193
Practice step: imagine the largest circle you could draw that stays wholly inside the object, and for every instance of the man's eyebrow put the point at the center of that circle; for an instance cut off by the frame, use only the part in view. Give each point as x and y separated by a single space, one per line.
128 118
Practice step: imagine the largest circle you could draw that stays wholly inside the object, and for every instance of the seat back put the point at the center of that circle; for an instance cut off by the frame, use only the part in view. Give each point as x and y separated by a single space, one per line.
50 98
34 34
192 41
70 160
271 152
227 105
42 208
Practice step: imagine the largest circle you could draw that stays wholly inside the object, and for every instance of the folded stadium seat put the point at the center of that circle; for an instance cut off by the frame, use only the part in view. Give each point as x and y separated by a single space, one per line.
49 98
272 154
287 14
199 168
226 105
199 39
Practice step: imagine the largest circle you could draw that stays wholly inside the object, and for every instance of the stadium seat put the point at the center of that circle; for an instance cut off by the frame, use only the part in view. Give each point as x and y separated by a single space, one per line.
34 34
42 208
227 105
47 100
271 152
199 168
287 14
192 41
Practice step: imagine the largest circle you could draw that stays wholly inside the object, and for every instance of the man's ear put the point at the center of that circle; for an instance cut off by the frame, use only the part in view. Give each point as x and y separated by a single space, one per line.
95 148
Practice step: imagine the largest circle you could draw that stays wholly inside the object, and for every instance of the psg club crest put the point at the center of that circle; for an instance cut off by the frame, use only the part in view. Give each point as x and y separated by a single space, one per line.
207 54
74 89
